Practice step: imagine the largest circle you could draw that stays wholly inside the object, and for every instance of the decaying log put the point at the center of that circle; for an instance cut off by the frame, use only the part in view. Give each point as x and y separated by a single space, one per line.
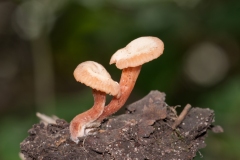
146 132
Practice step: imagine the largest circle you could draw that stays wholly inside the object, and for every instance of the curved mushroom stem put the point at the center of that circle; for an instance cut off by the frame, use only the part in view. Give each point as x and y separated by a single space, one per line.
127 82
80 123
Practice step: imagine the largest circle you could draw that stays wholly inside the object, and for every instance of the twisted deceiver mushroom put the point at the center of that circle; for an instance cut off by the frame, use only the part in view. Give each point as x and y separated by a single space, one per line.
130 60
95 76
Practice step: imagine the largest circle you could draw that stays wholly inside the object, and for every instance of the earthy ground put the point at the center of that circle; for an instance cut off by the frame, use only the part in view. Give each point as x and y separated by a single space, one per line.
145 132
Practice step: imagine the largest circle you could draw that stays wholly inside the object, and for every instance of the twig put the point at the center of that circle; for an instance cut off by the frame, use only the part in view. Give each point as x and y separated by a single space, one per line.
181 116
46 119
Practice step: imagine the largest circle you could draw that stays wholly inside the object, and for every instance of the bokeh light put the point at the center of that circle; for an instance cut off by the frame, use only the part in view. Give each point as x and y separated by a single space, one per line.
206 64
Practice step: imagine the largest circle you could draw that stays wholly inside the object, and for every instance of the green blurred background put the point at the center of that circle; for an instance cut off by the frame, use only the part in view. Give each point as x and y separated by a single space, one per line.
42 41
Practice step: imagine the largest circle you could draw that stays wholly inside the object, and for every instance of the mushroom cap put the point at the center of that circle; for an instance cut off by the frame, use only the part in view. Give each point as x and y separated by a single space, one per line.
138 52
96 76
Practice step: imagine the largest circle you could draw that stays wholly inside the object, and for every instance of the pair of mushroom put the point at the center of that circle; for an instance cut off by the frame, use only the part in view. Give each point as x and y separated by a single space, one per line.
130 60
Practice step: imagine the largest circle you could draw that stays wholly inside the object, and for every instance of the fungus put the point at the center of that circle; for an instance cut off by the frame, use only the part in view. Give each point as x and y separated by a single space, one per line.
130 60
95 76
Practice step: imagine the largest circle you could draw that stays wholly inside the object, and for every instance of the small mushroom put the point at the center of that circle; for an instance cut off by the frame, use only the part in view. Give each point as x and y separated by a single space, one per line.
130 60
95 76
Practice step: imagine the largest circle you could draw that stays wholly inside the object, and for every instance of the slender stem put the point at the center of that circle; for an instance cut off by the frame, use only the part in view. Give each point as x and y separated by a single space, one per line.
80 122
127 82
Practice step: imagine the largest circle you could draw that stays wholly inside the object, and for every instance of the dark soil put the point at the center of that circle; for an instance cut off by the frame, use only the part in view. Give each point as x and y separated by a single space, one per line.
144 133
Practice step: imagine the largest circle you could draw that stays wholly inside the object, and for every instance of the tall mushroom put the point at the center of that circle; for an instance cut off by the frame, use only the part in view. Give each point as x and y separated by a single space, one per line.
95 76
130 60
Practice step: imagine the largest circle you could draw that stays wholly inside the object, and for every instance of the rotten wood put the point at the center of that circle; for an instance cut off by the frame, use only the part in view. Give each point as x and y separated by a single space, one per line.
145 133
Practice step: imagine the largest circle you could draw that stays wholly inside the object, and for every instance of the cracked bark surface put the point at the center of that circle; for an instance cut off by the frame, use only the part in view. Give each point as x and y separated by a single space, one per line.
144 132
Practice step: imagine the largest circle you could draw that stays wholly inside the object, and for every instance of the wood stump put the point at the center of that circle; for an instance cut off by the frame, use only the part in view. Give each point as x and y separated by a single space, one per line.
144 132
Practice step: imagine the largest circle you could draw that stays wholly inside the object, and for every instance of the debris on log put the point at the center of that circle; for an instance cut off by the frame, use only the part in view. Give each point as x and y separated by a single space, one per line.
147 131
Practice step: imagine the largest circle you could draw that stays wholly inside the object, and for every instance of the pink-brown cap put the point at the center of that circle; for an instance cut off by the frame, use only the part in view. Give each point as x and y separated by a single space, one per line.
96 76
138 52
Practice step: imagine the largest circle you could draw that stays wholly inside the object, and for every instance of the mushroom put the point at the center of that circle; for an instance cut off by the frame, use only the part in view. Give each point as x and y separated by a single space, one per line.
95 76
130 60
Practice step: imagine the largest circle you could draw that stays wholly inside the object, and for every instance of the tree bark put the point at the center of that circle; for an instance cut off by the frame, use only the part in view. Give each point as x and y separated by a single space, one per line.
145 132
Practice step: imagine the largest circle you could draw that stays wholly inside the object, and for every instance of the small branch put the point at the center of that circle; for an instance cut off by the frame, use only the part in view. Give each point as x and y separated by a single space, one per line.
46 119
181 116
